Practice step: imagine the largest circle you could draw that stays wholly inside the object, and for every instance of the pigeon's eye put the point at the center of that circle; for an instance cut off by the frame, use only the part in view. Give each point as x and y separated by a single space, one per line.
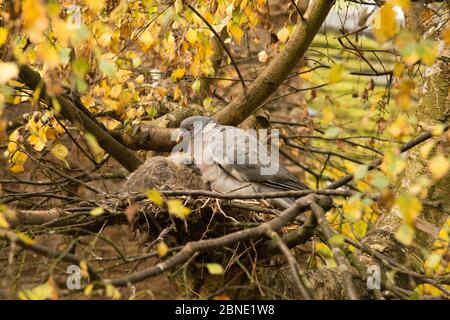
191 125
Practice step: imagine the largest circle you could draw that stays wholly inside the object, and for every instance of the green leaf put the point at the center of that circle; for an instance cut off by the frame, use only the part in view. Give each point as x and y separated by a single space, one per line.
379 181
360 172
109 69
337 239
332 132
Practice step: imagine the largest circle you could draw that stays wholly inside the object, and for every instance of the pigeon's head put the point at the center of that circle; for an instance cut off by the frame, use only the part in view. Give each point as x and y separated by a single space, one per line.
193 125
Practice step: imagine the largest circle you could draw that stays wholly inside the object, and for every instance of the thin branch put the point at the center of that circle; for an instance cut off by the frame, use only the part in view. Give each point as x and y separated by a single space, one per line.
342 264
299 277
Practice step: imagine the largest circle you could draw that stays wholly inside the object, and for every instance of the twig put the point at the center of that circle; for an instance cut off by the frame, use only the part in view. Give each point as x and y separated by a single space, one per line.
222 44
297 274
342 263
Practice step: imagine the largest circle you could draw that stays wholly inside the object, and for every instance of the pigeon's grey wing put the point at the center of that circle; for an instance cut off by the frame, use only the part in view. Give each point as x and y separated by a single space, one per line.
249 171
285 179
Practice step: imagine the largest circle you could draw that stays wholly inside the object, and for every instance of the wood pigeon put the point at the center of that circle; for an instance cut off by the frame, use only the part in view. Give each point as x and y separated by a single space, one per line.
233 161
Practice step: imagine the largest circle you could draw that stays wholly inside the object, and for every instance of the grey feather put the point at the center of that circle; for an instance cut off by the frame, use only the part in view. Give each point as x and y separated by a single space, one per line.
225 175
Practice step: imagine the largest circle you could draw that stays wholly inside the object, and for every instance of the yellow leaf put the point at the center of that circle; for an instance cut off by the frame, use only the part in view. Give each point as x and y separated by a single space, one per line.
13 140
8 71
115 91
84 268
22 236
404 4
398 69
384 25
35 20
177 94
17 168
236 32
405 234
327 115
251 16
410 207
392 164
19 157
353 209
360 228
61 31
337 239
155 196
42 292
112 292
48 55
3 35
95 147
439 166
433 260
176 207
50 133
305 74
140 79
162 249
147 40
336 73
97 211
426 149
36 143
437 130
95 5
3 222
403 98
191 36
178 74
214 268
88 290
429 52
283 34
59 151
196 86
401 127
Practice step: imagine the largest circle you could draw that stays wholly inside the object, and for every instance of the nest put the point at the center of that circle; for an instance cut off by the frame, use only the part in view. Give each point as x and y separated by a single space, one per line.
163 173
209 218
